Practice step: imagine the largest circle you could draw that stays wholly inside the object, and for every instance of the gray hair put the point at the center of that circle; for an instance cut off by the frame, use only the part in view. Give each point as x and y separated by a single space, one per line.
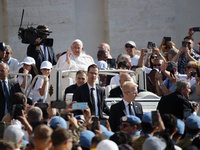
122 57
181 83
8 47
34 114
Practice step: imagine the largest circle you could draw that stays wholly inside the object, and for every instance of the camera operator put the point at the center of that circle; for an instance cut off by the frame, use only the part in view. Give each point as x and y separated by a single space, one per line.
40 51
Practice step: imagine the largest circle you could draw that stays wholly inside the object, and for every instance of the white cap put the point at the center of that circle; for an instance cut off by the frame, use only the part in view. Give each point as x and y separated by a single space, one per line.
78 41
13 134
29 61
131 43
46 65
107 145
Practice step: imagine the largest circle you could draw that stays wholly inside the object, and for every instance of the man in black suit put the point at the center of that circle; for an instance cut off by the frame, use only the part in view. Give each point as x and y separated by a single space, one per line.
127 106
81 78
117 91
93 94
7 89
177 102
41 52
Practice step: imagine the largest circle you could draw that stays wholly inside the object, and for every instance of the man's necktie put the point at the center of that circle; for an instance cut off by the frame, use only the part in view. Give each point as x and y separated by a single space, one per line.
130 109
5 89
93 101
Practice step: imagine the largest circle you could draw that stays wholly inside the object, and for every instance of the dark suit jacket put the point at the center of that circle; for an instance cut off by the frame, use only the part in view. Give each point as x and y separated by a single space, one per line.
118 110
116 92
39 56
70 89
81 94
175 104
13 88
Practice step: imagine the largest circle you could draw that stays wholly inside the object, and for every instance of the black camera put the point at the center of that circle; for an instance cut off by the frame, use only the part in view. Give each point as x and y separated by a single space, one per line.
29 35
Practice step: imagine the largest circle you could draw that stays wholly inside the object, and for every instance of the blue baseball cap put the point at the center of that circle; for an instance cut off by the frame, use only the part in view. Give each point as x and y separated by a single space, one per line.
146 117
108 134
131 119
193 122
80 117
180 126
57 121
86 138
2 46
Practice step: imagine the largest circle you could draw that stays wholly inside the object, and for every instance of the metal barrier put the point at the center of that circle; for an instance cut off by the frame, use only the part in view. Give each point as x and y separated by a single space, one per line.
22 74
32 83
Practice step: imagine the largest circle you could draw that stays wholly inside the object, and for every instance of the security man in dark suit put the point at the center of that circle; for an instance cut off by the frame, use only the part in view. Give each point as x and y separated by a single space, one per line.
177 103
7 89
41 52
127 106
91 93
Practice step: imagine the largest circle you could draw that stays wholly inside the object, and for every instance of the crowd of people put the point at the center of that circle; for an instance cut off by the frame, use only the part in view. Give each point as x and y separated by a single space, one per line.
27 122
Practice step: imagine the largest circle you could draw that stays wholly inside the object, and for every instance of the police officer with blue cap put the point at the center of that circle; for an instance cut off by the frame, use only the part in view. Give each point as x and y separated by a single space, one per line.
131 125
192 124
2 51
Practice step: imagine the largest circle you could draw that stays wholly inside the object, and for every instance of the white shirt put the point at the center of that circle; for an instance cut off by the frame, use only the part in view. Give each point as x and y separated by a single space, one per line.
134 60
95 98
13 64
102 64
127 108
38 85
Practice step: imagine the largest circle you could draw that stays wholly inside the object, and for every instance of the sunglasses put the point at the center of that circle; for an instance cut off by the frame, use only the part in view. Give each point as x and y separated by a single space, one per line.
154 57
157 65
124 125
129 46
188 43
7 53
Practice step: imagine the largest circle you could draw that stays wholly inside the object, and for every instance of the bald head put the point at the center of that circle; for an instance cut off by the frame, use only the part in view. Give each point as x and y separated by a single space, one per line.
105 46
124 77
4 71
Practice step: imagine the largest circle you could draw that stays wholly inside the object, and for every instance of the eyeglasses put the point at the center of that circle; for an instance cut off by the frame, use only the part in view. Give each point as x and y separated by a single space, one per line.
157 65
124 125
7 53
129 46
135 93
93 73
188 43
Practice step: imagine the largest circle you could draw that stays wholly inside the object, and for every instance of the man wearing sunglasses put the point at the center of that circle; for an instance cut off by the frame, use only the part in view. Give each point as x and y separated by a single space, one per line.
131 125
186 54
130 48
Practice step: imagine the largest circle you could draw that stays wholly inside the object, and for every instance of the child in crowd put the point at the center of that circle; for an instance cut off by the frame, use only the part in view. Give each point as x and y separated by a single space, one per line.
41 85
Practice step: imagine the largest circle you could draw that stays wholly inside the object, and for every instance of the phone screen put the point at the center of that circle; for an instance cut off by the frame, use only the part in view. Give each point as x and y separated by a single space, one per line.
95 123
154 117
196 29
58 104
80 105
